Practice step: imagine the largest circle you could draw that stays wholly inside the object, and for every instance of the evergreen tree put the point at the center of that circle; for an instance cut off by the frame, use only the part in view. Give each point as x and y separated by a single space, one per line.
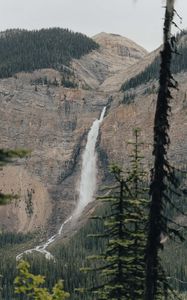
23 50
162 174
30 285
122 269
151 72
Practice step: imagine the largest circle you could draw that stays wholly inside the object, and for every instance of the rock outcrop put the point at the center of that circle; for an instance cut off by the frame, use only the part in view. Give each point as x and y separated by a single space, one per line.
116 54
32 210
53 121
117 129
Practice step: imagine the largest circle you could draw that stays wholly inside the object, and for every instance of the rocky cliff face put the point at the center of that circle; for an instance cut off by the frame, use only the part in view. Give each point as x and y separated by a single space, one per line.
53 121
117 128
116 54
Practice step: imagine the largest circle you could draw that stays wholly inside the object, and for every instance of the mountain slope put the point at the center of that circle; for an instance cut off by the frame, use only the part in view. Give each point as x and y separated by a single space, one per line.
117 127
136 107
115 54
151 71
53 121
23 50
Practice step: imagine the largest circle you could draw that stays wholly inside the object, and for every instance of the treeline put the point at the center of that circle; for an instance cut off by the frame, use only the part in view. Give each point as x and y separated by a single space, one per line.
67 79
151 72
22 50
10 238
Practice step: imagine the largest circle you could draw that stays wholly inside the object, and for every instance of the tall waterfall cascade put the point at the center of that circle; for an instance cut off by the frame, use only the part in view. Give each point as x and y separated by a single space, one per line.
88 179
87 186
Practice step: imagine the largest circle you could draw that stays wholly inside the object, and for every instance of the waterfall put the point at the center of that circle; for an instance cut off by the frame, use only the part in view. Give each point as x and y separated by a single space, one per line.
86 189
89 168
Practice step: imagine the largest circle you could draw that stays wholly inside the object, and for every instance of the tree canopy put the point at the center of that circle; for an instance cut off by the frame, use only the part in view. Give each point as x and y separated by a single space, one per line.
23 50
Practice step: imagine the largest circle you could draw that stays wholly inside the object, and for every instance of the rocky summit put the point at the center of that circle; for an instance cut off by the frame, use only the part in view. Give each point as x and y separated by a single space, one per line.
39 113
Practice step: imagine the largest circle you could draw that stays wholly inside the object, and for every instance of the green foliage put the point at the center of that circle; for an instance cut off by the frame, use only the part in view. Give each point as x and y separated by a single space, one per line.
69 258
6 157
69 84
150 90
71 255
30 285
121 270
22 50
128 97
151 72
10 238
67 80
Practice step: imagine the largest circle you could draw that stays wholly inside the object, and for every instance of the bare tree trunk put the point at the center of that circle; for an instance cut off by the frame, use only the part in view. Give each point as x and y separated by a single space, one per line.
157 223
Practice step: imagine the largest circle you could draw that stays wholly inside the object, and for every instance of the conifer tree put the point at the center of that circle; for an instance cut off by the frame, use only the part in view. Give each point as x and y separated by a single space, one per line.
138 206
162 173
30 285
122 268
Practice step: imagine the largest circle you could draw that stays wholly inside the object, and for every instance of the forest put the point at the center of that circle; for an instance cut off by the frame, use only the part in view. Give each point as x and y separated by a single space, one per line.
82 251
151 72
23 50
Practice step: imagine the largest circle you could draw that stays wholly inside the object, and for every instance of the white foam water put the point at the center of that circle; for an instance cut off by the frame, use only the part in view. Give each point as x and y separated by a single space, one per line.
89 168
86 190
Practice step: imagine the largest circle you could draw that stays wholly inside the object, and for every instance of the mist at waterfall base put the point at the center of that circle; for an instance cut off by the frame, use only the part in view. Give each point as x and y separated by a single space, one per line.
86 190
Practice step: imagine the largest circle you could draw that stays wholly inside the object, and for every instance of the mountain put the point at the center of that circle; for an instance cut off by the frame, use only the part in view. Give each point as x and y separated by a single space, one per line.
38 112
115 54
151 71
23 50
50 111
136 107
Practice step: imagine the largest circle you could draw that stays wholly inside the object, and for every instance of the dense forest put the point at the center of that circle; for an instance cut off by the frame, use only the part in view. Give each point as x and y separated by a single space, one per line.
69 258
72 255
151 72
22 50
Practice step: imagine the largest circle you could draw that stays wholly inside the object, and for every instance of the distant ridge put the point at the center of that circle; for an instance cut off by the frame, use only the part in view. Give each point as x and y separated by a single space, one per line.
23 50
151 71
115 54
106 39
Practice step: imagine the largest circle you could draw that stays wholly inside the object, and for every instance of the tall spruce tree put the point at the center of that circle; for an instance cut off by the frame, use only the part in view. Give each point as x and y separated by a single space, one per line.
121 268
138 203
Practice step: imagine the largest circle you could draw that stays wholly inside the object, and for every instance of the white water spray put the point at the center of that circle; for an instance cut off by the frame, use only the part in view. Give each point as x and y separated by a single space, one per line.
42 248
89 168
86 190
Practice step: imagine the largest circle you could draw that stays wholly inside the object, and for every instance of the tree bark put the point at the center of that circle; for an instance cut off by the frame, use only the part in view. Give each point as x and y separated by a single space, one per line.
157 224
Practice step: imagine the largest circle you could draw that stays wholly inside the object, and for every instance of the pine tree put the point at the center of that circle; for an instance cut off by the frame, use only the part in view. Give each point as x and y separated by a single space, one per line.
121 268
138 205
162 174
